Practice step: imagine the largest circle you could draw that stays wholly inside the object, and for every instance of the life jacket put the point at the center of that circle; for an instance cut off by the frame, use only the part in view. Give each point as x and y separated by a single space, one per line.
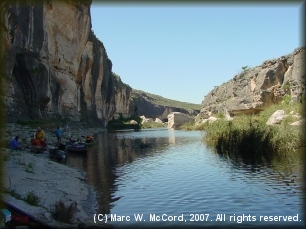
40 135
35 142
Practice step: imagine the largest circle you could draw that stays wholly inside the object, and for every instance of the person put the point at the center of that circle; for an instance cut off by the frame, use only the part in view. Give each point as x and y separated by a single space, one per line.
14 144
71 140
58 133
40 136
88 139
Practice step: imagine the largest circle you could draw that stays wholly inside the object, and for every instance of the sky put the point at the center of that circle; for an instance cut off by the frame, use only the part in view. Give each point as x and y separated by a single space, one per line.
182 51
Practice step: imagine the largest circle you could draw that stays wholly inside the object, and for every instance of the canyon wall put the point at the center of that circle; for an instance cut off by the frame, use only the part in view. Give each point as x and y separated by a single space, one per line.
256 88
55 65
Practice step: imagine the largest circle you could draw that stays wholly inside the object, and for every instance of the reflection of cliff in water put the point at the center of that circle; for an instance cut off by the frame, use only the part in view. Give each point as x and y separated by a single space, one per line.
279 168
109 153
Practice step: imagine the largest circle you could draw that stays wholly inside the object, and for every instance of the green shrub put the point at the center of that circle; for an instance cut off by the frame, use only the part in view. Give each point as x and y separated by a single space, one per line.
152 124
287 99
32 199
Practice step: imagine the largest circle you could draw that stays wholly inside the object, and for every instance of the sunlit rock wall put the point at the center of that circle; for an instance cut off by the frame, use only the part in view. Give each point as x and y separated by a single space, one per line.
55 65
257 88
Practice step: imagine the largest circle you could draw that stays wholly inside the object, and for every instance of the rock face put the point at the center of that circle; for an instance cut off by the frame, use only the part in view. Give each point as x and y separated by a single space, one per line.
176 119
256 88
56 67
146 105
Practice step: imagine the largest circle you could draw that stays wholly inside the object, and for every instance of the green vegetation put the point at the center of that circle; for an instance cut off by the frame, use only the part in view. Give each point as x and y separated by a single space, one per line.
245 68
32 199
43 123
152 124
37 69
248 137
62 212
124 123
159 100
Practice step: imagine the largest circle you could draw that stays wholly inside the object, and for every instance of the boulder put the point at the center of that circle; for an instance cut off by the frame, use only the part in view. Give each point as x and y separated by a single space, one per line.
210 119
144 119
176 119
158 120
298 123
133 122
276 117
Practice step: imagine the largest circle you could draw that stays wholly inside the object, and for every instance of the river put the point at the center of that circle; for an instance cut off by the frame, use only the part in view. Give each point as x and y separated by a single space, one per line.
171 178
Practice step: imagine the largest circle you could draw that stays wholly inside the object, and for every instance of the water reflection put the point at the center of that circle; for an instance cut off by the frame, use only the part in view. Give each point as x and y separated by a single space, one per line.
161 171
112 151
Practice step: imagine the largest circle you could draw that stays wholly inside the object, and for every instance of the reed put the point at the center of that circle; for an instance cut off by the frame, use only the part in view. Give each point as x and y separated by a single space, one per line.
249 138
62 212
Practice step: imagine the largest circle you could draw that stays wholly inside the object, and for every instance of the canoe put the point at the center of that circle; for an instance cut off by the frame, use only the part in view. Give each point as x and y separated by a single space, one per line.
77 148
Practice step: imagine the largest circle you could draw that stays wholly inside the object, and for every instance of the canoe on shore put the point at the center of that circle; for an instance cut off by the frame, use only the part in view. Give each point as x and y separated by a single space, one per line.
21 218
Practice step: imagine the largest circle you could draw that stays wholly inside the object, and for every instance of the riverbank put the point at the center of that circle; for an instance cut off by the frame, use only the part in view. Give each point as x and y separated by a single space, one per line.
35 175
253 136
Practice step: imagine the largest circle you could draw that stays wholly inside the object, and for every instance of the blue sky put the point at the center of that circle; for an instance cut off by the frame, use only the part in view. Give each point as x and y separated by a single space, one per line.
181 51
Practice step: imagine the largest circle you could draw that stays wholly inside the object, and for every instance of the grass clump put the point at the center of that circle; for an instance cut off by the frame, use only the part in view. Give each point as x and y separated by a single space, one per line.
29 168
32 199
64 213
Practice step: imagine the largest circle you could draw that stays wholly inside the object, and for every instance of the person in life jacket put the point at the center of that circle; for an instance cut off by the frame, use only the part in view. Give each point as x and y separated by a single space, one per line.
40 136
89 139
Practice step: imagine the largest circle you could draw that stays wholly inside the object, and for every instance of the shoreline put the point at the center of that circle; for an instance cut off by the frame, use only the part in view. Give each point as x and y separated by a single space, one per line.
26 172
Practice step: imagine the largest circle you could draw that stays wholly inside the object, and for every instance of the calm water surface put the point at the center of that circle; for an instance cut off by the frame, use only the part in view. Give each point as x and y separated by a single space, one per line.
172 173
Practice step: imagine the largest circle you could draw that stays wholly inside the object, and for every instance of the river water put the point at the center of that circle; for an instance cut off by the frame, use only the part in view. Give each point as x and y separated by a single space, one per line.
170 178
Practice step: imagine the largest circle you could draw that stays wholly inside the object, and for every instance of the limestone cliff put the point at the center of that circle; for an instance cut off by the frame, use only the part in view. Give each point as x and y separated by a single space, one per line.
256 88
56 67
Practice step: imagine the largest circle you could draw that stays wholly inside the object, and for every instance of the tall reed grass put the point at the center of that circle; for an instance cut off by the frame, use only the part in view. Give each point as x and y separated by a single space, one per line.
249 138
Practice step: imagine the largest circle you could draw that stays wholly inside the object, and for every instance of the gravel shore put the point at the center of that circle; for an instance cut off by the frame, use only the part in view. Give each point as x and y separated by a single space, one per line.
26 172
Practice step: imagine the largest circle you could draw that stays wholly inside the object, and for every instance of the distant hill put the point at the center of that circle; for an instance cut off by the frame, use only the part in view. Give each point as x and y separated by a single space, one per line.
155 106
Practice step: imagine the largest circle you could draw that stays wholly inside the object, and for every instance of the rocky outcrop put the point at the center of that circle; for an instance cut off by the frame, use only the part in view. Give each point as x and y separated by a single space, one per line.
256 88
146 104
56 67
176 119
